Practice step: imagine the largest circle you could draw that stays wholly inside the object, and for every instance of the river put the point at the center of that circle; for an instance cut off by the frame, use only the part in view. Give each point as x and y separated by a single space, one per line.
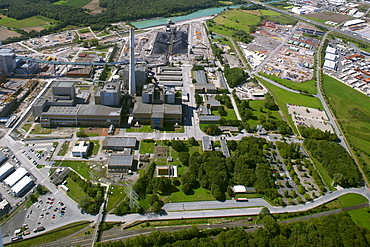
197 14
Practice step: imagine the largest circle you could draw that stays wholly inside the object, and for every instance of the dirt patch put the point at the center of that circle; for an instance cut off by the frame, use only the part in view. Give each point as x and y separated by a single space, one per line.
5 33
253 12
94 6
338 18
160 152
29 29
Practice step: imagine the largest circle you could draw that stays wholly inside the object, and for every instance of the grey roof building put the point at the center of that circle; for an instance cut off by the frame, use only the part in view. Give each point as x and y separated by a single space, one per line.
119 163
206 144
2 157
209 119
119 143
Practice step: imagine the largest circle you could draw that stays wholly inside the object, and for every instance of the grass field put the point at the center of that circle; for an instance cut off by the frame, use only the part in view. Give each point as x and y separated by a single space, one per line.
96 147
200 194
146 147
78 3
63 150
352 110
144 128
237 19
361 217
79 166
231 115
37 129
53 236
75 191
115 194
6 20
26 127
283 97
267 12
349 200
60 2
256 106
281 19
308 86
34 21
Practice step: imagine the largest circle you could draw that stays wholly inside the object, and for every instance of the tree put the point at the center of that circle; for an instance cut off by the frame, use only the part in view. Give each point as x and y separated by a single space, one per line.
179 146
221 111
157 206
153 198
193 142
263 213
184 158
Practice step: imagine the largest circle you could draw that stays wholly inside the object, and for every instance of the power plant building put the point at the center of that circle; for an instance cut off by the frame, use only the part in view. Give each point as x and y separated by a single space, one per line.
64 108
7 61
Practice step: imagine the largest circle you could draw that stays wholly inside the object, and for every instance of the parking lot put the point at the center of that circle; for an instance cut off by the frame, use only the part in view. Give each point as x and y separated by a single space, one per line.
305 116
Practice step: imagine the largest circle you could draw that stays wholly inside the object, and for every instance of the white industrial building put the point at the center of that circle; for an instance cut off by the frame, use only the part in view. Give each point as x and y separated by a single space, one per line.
331 50
22 186
330 65
81 148
304 10
353 22
331 57
6 170
15 177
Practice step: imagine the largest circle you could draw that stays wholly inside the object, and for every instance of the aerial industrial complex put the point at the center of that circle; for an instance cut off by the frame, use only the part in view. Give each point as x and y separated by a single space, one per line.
212 117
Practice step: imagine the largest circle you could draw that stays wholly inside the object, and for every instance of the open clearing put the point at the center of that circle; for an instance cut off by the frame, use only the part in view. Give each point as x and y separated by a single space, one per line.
5 33
34 21
327 16
237 19
94 6
252 12
352 110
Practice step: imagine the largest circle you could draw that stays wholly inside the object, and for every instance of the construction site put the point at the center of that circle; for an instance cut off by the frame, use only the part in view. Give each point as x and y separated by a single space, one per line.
295 60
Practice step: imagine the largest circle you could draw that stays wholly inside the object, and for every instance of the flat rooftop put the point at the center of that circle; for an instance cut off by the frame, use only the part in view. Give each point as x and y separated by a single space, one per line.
120 141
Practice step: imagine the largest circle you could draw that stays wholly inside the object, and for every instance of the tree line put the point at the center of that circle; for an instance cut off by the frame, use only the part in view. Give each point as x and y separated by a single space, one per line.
336 160
334 230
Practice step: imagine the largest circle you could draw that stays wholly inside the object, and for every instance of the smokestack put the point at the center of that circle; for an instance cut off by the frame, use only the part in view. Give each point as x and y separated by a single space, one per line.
132 81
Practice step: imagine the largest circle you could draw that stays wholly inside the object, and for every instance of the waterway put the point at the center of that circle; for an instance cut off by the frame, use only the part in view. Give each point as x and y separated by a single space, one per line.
197 14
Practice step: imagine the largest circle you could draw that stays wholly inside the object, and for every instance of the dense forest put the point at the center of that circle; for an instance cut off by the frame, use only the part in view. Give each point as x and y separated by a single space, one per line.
336 230
336 160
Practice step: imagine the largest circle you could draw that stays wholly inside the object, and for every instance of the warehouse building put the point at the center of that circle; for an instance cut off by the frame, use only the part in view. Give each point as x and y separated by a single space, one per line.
119 143
120 163
4 207
2 157
6 170
15 177
330 65
22 186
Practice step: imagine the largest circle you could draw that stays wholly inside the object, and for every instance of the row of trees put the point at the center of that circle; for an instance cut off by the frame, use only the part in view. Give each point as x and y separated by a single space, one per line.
332 230
317 134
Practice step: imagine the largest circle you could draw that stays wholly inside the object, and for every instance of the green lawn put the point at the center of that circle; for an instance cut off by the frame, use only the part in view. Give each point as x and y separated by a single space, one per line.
33 21
37 129
144 128
349 200
77 3
231 115
79 166
352 110
75 191
146 147
63 150
60 2
256 106
200 194
26 127
144 202
283 97
96 147
115 194
52 236
318 20
308 86
361 217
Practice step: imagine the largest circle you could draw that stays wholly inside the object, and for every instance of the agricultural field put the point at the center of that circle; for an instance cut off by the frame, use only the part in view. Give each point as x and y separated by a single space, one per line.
253 12
94 7
35 21
237 19
75 3
352 110
328 16
5 33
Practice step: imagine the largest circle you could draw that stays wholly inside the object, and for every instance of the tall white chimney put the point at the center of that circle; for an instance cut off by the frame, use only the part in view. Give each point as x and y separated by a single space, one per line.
132 81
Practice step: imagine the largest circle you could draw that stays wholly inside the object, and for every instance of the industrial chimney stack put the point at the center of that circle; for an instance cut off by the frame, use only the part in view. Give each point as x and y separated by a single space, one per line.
132 81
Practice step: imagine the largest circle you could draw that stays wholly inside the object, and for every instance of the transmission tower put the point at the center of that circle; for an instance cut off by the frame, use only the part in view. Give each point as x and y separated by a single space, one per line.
131 193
